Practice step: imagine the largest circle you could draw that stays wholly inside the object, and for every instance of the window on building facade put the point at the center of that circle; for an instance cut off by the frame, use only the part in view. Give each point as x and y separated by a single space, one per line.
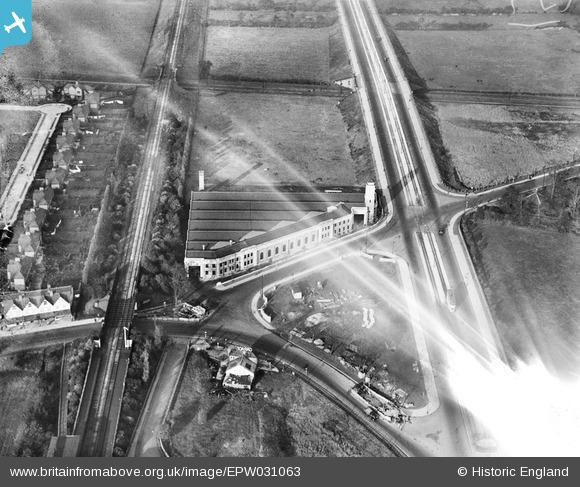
277 251
261 255
269 253
284 248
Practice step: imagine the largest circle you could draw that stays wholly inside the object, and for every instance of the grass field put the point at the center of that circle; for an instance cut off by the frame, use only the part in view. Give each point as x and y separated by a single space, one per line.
490 144
268 140
314 5
471 6
293 420
86 38
269 53
496 59
531 280
388 345
16 127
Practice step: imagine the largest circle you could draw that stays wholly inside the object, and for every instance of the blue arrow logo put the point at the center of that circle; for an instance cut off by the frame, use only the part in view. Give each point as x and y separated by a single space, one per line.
16 22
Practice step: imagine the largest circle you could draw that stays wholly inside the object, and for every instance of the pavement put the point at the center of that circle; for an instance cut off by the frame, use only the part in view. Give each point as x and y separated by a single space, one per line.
145 441
21 179
38 327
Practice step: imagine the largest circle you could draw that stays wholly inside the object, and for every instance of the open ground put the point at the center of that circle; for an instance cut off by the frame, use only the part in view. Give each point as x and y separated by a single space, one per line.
16 127
331 309
283 417
463 6
29 383
272 54
268 140
531 278
492 144
92 39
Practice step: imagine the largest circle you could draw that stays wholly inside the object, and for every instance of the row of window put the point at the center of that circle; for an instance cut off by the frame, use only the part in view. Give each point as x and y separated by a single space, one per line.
234 264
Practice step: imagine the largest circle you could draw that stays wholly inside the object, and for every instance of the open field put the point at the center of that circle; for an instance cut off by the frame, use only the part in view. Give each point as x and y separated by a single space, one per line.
499 58
16 127
491 144
268 140
105 38
293 420
269 53
531 278
465 6
332 310
29 382
272 18
310 5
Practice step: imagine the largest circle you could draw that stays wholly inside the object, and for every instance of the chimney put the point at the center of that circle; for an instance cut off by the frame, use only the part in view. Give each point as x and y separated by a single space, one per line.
48 290
231 242
201 180
203 247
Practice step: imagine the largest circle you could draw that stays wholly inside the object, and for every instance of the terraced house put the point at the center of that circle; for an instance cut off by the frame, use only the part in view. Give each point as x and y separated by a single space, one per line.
231 232
40 304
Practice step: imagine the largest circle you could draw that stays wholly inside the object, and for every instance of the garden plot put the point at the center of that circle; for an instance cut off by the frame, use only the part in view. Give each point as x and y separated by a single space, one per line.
342 311
70 225
268 140
269 54
492 144
86 37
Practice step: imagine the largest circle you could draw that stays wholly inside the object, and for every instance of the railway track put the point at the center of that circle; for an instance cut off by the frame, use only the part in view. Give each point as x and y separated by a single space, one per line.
101 406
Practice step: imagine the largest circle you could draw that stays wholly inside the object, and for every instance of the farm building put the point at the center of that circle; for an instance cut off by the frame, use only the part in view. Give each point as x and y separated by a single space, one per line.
240 368
40 304
229 233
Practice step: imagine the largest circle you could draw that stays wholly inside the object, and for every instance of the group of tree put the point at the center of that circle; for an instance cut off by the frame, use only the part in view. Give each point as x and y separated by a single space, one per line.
556 205
145 355
162 269
114 218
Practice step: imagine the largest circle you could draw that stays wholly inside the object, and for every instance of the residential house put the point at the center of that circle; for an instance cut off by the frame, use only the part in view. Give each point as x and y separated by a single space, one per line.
62 143
25 246
14 274
62 159
71 126
40 304
41 198
74 91
240 368
81 112
55 178
30 221
93 100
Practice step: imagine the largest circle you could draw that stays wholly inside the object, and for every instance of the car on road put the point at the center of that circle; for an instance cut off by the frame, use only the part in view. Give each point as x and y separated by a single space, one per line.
6 237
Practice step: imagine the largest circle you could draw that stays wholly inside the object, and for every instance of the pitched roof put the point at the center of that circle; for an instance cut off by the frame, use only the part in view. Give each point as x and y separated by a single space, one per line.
245 219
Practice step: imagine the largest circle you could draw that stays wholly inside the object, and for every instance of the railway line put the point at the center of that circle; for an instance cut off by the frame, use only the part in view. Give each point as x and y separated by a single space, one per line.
101 405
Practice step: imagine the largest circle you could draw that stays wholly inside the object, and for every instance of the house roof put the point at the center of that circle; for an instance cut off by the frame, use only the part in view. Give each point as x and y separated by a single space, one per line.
43 196
37 297
246 219
13 267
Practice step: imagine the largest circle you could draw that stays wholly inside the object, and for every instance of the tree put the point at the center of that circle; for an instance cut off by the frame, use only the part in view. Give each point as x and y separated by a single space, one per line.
510 201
